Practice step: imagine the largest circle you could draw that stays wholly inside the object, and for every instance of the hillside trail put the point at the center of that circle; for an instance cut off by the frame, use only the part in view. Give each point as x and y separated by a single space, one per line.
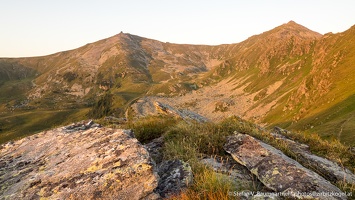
342 127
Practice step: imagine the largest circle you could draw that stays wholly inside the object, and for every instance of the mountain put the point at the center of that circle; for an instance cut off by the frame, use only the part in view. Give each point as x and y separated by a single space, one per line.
289 76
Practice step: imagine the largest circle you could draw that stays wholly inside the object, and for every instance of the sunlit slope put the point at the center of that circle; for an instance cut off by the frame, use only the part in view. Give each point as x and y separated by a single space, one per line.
326 97
304 80
289 76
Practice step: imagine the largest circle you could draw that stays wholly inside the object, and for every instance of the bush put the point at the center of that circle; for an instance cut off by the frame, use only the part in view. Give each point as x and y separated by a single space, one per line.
151 127
102 107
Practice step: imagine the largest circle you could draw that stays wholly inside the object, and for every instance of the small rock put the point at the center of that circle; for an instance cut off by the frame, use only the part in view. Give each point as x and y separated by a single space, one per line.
130 133
89 123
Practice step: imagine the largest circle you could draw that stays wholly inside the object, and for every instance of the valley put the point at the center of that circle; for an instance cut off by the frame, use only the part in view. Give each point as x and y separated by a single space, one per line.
289 76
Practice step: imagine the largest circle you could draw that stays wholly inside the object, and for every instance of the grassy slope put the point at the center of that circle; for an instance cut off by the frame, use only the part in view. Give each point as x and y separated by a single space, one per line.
118 63
21 124
331 114
14 90
318 80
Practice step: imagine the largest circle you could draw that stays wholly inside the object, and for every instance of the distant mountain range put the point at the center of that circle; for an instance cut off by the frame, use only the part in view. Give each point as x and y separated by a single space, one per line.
289 76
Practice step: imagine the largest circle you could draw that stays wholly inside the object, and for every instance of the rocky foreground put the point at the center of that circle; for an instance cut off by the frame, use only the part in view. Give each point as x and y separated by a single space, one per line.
277 171
79 164
87 161
84 161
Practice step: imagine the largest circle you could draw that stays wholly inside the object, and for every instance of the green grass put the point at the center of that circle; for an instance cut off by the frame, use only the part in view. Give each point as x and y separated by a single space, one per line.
149 128
173 87
14 90
155 69
332 149
17 125
337 122
190 141
327 110
209 138
208 185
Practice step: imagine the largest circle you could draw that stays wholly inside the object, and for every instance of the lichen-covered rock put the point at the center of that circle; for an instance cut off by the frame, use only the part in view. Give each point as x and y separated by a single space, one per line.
326 168
155 149
96 163
174 176
277 171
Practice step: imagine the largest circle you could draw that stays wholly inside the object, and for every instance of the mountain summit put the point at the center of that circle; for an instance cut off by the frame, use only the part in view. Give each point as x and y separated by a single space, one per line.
290 76
298 29
292 29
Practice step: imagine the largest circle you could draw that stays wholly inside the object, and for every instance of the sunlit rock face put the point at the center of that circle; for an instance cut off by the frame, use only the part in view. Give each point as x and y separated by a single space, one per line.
80 162
277 171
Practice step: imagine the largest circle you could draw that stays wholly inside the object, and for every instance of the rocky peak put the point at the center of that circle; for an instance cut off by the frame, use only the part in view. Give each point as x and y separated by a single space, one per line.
285 32
126 36
298 30
291 22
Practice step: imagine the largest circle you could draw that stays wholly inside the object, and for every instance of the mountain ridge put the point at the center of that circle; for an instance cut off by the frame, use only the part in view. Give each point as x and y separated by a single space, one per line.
283 74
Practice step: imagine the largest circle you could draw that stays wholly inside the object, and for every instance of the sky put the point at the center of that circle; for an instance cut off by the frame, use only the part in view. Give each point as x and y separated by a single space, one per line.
42 27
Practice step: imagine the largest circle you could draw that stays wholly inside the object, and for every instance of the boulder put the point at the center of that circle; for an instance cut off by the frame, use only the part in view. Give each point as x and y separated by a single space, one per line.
83 125
279 172
324 167
175 175
77 162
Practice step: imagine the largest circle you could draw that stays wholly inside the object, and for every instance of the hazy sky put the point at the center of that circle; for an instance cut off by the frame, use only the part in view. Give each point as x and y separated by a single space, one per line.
41 27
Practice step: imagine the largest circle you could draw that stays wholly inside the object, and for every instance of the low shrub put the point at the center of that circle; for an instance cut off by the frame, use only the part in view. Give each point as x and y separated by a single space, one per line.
148 128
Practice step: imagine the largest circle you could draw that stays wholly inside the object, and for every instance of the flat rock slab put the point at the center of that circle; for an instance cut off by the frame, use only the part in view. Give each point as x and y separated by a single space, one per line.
279 172
97 163
326 168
